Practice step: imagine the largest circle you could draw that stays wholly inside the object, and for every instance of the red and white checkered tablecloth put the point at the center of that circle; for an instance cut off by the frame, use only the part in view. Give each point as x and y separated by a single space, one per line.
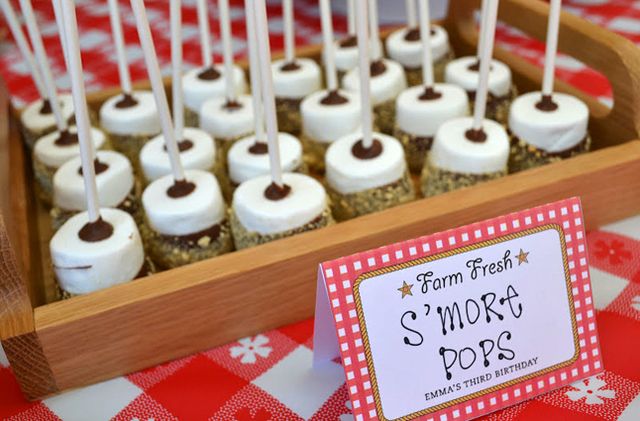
269 376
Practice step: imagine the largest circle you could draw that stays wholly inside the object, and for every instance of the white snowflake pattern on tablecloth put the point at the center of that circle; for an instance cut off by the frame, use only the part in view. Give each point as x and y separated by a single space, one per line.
592 390
249 348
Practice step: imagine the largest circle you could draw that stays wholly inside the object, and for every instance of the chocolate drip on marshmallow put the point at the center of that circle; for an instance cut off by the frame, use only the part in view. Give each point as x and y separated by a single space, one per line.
546 103
259 148
98 167
210 73
275 192
46 107
361 152
180 188
334 98
93 232
127 101
66 138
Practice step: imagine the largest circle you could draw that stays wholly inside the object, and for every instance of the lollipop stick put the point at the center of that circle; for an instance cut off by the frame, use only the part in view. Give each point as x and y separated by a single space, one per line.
176 68
57 11
328 47
205 33
552 47
118 39
483 23
254 70
365 75
23 46
43 63
351 17
264 52
412 21
425 36
87 153
485 63
289 36
227 50
151 59
376 48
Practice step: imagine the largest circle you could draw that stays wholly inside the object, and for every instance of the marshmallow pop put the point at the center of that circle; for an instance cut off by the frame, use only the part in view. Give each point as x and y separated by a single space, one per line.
270 207
404 46
464 72
185 214
196 147
230 117
365 171
293 78
387 77
469 150
102 246
56 147
421 110
329 114
208 81
129 118
249 157
37 119
547 126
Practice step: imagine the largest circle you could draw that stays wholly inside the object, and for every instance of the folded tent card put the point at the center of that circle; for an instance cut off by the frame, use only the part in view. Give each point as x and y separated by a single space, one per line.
461 323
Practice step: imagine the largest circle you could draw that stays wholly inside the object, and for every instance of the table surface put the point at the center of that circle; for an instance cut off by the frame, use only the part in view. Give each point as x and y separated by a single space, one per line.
269 376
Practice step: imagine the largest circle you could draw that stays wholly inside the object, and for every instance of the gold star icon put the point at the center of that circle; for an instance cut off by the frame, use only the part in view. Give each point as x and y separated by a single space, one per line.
405 289
523 257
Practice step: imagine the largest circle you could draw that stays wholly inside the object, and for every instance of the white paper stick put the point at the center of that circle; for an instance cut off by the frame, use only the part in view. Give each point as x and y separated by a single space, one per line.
87 153
365 72
264 52
153 69
483 23
374 30
329 45
23 46
425 36
412 20
175 13
118 39
43 63
227 49
552 47
205 33
289 35
351 17
254 70
485 65
57 12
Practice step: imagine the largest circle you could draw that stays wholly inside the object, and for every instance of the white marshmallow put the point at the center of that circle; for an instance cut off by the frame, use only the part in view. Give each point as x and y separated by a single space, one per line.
551 131
36 122
140 119
243 165
53 156
114 184
304 203
197 91
296 84
203 208
384 87
327 123
82 267
154 159
347 57
225 123
409 53
457 72
347 174
422 118
452 151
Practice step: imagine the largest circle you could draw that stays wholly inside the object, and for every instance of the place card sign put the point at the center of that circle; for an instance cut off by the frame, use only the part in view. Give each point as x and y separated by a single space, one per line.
465 322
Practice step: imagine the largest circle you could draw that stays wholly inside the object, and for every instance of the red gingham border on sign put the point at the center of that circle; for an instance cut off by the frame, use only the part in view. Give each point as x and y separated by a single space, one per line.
340 273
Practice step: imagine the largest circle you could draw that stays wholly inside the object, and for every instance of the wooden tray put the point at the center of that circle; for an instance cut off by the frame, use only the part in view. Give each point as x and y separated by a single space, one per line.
53 346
